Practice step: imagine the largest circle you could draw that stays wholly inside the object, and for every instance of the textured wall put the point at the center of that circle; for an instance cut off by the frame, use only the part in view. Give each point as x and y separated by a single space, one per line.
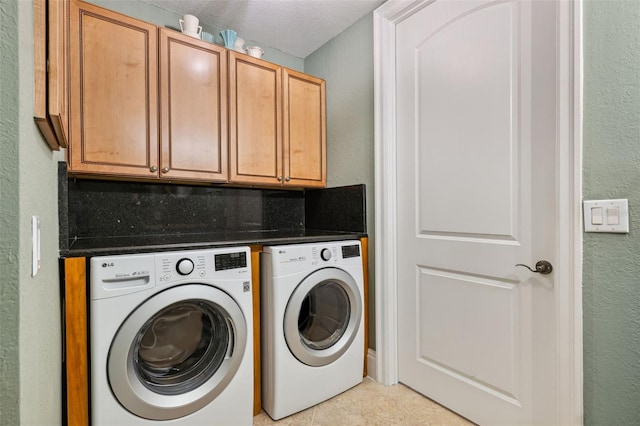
9 238
30 353
40 331
346 63
611 286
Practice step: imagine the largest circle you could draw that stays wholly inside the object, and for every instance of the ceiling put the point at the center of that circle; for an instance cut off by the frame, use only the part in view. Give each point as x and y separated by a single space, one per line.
295 27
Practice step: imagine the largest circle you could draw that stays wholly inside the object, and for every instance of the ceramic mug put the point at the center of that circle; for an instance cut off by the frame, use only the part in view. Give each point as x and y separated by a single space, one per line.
238 46
255 51
189 25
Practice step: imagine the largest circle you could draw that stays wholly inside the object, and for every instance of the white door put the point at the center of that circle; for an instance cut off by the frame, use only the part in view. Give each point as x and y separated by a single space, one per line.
476 135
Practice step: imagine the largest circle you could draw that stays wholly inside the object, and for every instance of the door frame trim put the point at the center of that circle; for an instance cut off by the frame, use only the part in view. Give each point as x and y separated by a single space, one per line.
568 245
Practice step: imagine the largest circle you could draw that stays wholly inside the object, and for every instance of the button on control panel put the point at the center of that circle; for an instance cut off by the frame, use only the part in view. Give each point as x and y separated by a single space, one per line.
184 266
325 254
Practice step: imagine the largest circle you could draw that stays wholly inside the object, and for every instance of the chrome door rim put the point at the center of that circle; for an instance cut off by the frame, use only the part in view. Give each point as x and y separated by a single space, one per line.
321 357
124 381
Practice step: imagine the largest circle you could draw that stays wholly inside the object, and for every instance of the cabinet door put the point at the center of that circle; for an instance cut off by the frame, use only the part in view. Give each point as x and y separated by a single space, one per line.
254 121
304 138
50 21
57 90
114 108
193 112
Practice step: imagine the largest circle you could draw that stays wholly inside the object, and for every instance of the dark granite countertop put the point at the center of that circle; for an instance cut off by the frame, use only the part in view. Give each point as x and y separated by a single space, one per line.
107 246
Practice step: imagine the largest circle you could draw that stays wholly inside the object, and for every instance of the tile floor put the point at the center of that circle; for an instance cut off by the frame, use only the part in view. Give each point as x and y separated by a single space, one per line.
369 404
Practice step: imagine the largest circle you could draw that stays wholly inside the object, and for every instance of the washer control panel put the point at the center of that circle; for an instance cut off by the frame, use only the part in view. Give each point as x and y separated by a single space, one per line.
213 263
117 275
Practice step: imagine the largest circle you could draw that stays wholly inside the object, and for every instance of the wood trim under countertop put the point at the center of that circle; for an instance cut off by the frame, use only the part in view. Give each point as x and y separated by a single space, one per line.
75 312
365 274
255 278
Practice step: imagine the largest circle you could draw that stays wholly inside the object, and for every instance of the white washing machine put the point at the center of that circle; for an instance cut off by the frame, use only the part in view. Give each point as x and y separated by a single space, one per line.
312 324
172 338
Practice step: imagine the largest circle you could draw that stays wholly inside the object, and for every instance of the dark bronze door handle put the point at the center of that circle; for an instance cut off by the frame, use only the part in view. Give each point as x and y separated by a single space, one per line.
542 266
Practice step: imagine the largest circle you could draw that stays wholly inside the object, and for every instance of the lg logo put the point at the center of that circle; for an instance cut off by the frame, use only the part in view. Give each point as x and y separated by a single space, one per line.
107 265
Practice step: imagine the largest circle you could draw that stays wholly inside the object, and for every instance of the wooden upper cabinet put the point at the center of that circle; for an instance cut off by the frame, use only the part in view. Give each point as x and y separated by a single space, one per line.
114 105
193 105
51 71
149 103
304 130
255 121
277 128
58 78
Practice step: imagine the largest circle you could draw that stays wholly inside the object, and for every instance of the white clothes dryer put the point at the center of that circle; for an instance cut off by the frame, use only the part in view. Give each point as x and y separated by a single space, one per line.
312 328
172 338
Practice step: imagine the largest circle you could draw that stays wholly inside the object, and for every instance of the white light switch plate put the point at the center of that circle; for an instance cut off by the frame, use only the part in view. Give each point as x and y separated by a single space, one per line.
606 216
35 245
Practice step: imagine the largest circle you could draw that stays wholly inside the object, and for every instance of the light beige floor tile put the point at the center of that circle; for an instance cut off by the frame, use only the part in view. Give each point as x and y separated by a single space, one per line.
303 418
372 404
359 406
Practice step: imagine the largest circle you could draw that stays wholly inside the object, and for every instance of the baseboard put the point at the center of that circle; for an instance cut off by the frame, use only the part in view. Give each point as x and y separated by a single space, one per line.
371 364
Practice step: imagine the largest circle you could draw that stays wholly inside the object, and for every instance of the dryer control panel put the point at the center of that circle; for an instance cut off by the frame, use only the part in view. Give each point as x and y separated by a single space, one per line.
290 259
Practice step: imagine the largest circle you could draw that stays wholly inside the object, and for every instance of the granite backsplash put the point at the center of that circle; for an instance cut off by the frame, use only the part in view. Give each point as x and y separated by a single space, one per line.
105 213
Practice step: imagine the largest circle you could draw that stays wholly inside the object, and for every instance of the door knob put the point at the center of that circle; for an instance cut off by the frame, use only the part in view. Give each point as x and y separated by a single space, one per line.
542 266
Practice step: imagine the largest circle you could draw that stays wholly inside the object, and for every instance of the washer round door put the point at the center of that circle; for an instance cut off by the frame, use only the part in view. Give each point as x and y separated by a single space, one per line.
323 316
177 351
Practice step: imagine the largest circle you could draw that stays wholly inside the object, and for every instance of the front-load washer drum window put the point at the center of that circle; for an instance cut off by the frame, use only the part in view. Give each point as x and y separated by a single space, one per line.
181 347
177 351
322 316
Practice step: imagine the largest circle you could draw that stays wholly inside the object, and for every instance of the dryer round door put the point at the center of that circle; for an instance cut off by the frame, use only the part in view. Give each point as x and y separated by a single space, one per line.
323 316
177 351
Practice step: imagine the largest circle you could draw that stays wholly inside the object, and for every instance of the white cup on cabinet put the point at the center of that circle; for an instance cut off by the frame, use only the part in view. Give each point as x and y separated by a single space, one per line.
255 51
189 25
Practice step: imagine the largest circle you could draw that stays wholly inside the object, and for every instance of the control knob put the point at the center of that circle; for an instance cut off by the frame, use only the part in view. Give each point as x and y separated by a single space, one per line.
325 254
184 266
